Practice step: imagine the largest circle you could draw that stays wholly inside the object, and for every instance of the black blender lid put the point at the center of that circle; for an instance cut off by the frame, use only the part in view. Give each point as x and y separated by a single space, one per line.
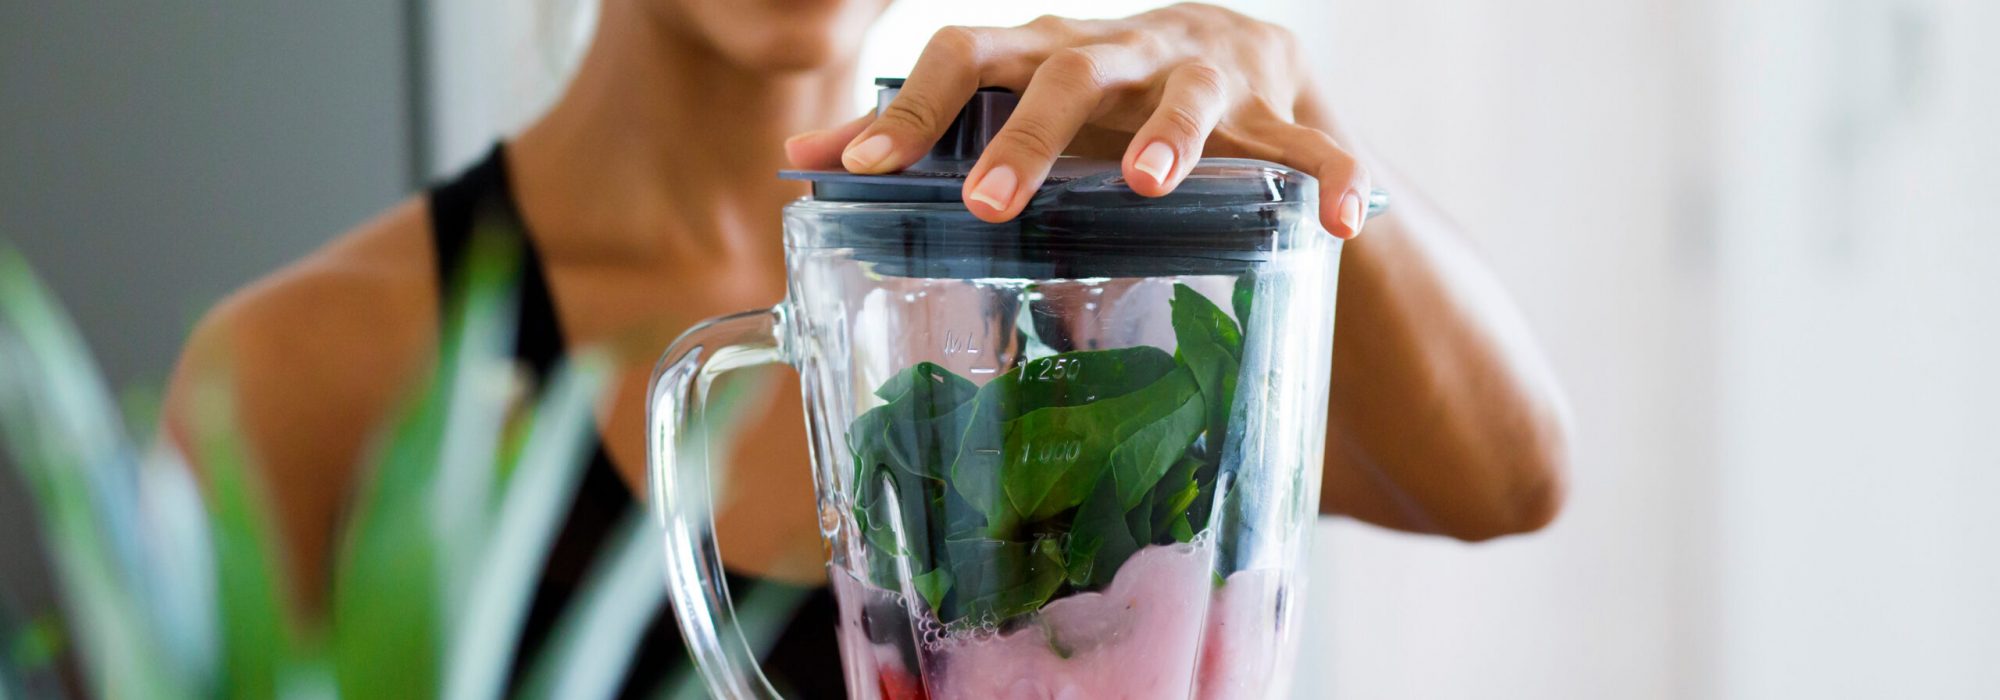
940 175
1084 221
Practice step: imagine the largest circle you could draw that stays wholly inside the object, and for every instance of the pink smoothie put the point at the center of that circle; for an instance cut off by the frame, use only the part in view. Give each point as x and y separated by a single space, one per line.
1239 654
1160 630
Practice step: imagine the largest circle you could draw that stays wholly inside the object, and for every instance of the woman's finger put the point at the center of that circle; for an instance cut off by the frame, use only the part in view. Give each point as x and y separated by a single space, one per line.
1343 181
820 150
945 77
1166 148
1060 98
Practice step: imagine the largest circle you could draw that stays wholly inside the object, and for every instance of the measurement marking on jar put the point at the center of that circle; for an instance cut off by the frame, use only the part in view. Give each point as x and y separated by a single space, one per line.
1056 369
983 370
956 342
1062 452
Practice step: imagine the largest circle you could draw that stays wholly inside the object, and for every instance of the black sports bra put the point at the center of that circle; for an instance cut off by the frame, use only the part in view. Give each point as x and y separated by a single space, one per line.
804 661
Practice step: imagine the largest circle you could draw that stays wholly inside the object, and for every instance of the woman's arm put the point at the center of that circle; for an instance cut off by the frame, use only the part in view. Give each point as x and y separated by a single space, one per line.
1443 417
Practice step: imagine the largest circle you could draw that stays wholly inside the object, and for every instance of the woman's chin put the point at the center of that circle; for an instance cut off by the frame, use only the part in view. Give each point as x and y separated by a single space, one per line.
781 35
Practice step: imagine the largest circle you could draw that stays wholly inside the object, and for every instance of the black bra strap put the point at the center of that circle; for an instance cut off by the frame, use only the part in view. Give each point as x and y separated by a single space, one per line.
481 200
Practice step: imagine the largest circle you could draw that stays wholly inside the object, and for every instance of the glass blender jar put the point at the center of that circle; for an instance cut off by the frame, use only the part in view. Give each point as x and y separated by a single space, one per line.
1074 455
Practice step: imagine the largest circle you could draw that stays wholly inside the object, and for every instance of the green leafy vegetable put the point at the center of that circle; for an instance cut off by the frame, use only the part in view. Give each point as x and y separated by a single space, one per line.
998 579
898 455
933 586
1055 455
1047 478
1240 298
1212 347
1101 539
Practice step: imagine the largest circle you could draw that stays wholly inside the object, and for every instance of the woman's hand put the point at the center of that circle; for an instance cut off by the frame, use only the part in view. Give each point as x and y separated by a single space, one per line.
1164 87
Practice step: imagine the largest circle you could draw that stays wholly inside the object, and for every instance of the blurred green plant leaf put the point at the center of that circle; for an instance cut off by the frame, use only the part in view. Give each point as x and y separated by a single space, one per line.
385 610
479 378
65 438
260 633
175 591
594 643
537 495
410 549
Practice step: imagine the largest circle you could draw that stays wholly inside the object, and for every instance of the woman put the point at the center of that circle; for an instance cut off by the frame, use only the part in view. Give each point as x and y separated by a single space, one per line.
648 201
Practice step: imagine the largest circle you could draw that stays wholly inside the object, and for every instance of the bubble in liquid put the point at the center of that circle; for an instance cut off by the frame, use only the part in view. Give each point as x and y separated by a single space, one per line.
829 519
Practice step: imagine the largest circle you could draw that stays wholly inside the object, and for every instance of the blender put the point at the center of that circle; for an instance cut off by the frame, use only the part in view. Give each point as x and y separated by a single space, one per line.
1073 455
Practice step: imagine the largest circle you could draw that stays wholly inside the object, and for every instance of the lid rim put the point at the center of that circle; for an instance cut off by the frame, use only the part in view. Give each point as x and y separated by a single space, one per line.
1213 183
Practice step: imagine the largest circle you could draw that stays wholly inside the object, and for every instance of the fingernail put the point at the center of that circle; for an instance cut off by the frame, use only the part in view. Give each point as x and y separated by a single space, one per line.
868 154
1157 160
996 190
1350 213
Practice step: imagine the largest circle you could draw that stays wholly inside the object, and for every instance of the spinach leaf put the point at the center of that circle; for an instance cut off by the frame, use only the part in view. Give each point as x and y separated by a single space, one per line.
997 579
929 378
1179 488
1105 532
904 433
1138 462
973 463
1241 297
1055 455
893 495
932 586
1212 346
1100 539
998 444
1051 475
1198 511
900 443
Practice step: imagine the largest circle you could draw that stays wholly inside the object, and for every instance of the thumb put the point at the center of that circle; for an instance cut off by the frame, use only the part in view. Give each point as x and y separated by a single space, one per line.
820 150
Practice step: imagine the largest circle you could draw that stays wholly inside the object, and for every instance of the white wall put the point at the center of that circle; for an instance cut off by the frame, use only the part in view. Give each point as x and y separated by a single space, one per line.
494 65
1858 470
1550 130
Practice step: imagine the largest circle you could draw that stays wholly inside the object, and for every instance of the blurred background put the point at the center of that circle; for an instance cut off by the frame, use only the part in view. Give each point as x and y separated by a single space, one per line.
1757 240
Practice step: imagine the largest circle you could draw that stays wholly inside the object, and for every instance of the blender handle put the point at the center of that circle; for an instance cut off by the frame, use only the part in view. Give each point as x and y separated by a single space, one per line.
678 473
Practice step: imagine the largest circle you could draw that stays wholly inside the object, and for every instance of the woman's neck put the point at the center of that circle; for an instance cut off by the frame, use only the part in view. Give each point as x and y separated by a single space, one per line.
661 144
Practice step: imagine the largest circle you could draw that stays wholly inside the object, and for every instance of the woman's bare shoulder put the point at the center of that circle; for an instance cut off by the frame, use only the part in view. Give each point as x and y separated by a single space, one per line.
317 353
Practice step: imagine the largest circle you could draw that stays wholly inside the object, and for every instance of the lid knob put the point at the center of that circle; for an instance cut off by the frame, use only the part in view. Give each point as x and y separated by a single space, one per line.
973 128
